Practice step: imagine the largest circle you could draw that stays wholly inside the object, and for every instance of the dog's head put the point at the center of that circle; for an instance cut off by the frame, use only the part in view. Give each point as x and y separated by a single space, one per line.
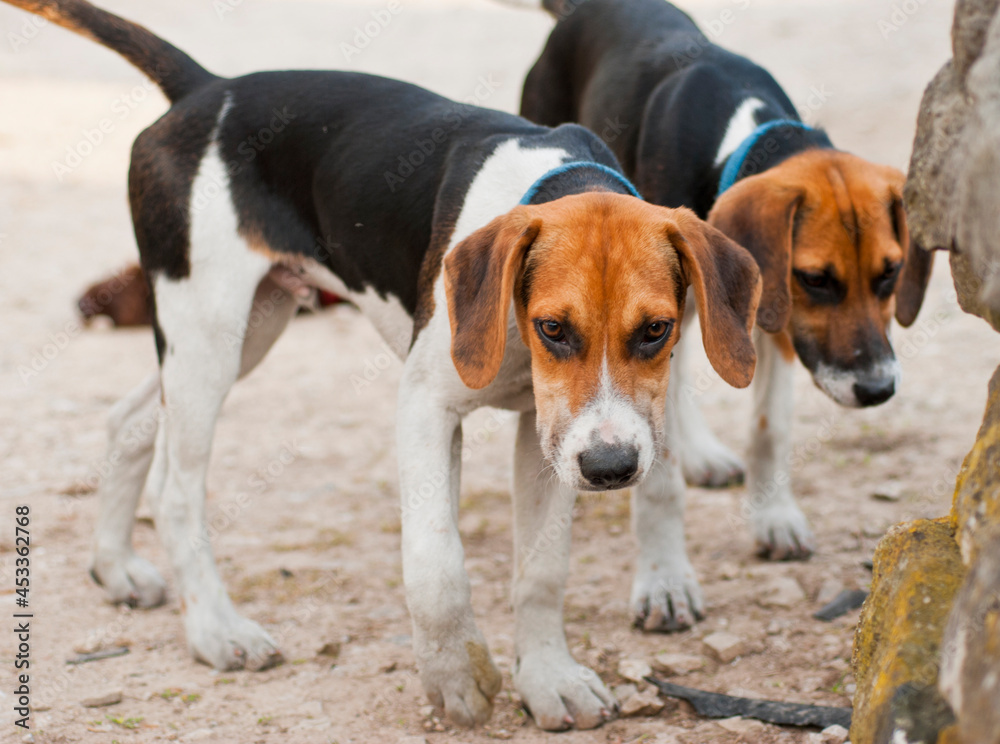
829 233
597 283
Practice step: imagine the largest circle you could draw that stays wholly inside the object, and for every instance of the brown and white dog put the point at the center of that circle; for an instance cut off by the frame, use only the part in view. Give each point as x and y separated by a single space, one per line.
695 125
509 264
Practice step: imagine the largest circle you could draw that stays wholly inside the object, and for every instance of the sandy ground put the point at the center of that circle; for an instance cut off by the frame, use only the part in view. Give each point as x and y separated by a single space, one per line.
314 555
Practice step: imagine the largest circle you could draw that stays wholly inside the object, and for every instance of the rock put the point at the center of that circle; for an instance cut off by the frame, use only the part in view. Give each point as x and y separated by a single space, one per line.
829 590
111 697
917 572
740 725
331 649
977 492
778 625
723 646
413 740
833 735
634 669
888 491
781 591
624 692
645 703
969 677
678 665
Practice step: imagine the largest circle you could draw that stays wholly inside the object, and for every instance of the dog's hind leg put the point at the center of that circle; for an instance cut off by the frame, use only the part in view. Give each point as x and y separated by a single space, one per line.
126 577
203 319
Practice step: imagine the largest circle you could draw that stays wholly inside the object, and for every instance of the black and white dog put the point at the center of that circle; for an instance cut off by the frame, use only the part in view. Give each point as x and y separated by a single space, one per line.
509 264
698 126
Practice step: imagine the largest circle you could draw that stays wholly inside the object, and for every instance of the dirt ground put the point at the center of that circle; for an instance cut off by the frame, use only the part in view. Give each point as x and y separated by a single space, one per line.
303 488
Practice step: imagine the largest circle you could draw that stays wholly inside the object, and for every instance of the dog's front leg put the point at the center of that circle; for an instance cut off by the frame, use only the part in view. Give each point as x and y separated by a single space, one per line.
666 595
780 528
454 663
559 692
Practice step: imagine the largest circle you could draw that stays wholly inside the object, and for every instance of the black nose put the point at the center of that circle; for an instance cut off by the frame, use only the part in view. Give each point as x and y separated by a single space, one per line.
609 466
873 393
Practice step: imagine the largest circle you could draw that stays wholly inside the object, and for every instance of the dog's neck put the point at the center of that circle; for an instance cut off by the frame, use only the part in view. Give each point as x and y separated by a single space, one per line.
772 143
577 178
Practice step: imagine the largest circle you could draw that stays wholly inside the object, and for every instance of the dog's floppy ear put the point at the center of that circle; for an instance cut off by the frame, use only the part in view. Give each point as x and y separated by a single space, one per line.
759 214
916 268
727 288
479 277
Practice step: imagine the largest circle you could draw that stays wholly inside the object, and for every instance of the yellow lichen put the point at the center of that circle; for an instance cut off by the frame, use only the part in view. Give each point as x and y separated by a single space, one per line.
917 571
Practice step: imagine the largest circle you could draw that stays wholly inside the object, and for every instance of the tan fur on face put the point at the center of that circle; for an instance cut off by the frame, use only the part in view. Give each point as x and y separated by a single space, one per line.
606 266
825 210
603 266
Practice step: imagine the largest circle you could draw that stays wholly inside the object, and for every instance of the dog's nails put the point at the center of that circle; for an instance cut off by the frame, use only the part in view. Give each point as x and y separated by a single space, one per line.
605 713
569 719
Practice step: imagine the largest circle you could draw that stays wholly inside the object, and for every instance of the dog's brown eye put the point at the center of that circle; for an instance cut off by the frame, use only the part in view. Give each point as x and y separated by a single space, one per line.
551 330
816 281
655 331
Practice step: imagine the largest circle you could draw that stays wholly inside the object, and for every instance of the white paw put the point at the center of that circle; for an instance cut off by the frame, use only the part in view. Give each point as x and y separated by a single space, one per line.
782 533
224 639
460 678
709 463
667 599
129 579
561 694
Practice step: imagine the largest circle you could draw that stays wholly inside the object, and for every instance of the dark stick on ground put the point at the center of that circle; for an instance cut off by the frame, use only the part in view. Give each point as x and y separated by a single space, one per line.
107 653
715 705
847 600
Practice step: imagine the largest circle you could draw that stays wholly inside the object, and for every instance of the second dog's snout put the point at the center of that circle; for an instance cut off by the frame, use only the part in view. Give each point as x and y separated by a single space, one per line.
609 466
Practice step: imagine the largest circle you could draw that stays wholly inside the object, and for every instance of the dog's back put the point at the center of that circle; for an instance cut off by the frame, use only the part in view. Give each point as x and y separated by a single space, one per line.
625 67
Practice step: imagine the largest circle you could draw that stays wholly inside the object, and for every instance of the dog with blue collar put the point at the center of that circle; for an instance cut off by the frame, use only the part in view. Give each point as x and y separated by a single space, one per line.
701 127
508 264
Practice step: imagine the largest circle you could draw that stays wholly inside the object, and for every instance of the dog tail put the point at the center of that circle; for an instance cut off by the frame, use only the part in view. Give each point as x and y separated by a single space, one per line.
171 69
557 8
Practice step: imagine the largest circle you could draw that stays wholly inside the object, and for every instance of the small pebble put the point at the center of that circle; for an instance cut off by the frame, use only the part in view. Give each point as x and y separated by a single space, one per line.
678 664
331 649
781 591
645 703
723 646
739 725
834 734
624 692
634 669
888 491
112 697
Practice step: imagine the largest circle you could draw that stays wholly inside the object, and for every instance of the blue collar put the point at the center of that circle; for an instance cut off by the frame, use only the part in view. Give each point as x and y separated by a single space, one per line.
537 185
735 161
